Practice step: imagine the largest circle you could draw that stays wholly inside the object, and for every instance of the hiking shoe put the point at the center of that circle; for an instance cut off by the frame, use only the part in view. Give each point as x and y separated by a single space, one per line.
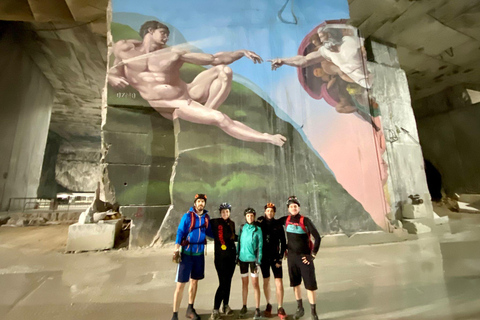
268 311
192 314
257 314
299 313
227 310
243 311
281 313
215 315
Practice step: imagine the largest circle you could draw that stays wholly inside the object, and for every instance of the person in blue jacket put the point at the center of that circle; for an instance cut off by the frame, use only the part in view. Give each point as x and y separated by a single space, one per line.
191 238
249 250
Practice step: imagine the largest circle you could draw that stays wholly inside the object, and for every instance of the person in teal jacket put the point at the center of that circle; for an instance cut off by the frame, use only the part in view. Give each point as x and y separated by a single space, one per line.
249 249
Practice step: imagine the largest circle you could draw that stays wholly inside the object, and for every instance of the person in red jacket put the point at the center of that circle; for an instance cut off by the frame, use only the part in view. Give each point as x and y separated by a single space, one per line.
301 253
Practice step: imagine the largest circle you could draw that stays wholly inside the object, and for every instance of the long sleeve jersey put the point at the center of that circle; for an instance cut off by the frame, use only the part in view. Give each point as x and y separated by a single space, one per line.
297 239
274 242
224 236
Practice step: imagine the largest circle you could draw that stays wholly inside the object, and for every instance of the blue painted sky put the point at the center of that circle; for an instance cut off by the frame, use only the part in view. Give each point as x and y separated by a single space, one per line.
216 26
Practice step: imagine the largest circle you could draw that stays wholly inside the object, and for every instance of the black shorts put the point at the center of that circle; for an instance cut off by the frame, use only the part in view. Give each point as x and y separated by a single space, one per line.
244 268
297 271
270 263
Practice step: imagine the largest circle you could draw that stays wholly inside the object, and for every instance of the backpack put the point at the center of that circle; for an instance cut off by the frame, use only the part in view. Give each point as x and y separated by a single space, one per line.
192 222
304 228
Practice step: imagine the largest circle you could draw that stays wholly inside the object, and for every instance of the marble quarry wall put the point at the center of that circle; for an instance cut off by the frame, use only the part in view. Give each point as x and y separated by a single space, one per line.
449 134
190 108
26 101
404 153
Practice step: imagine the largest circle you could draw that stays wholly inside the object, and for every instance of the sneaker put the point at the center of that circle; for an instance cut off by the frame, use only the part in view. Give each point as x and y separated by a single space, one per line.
192 314
268 311
257 315
243 311
299 313
227 310
281 313
215 315
175 316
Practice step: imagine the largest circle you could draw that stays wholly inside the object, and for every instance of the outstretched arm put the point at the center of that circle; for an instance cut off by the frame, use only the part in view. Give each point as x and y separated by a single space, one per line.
298 61
220 57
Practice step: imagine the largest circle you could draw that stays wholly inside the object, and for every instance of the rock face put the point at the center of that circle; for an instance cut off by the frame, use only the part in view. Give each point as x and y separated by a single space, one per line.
153 162
250 174
155 166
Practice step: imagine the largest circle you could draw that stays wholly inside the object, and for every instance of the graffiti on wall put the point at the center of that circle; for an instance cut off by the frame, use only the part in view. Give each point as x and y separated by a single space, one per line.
263 107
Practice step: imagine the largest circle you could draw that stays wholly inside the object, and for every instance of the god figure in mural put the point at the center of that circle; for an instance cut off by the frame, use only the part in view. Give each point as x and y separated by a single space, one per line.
153 69
341 57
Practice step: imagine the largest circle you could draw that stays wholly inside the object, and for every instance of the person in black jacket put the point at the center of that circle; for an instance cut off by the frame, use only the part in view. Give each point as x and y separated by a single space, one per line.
225 255
301 253
274 246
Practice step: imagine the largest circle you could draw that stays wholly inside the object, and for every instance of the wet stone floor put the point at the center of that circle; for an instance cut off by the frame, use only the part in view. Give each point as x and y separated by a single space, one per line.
436 276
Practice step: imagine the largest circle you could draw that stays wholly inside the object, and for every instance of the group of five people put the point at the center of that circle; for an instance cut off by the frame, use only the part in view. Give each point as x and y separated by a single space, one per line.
261 245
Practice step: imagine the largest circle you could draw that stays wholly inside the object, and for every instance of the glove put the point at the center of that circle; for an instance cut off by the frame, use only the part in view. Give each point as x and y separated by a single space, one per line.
176 257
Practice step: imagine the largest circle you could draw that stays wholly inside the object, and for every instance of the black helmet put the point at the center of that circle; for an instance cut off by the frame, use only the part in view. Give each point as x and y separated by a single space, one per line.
293 199
271 205
200 196
249 210
225 205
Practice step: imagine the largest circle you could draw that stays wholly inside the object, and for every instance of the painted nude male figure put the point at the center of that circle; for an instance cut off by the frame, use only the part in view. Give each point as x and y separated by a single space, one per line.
153 69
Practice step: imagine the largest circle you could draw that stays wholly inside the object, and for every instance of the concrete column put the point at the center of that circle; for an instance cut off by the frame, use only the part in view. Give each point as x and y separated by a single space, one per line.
406 173
26 97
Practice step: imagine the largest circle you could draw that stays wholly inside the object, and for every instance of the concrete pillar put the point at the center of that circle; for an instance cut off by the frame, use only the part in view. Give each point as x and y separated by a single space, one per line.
406 173
27 98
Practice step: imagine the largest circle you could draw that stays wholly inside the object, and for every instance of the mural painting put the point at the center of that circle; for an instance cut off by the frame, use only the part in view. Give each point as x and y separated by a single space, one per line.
235 101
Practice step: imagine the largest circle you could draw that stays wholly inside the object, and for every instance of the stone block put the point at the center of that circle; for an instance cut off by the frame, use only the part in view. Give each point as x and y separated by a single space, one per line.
21 222
414 211
146 222
140 148
414 226
140 185
384 54
94 236
469 198
136 120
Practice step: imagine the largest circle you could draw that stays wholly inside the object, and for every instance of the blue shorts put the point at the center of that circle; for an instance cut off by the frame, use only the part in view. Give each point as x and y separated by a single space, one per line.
191 267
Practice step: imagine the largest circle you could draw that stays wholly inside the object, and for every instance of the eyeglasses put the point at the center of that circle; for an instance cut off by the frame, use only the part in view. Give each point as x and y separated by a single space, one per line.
270 205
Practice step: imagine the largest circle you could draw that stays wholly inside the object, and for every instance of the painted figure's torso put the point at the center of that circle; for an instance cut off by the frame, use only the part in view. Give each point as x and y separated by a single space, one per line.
156 77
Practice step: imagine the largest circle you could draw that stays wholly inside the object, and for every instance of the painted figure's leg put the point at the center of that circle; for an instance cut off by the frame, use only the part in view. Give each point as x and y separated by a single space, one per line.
195 112
211 87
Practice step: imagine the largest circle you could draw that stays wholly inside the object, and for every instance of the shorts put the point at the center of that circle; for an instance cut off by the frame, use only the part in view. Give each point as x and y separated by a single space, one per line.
270 263
244 269
297 270
191 267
